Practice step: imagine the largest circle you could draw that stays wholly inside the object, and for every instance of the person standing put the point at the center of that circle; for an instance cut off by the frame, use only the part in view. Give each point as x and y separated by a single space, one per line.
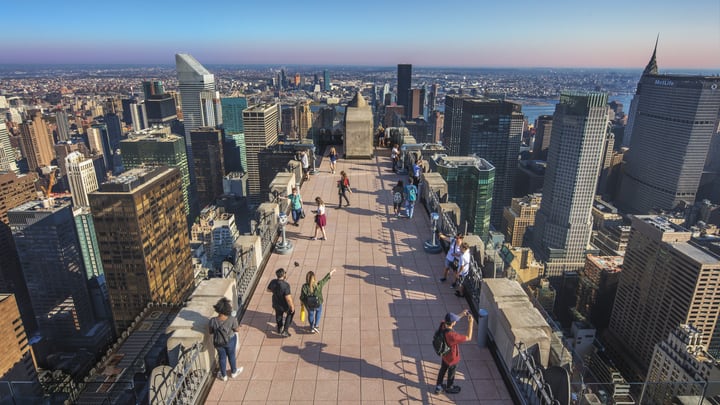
411 192
223 328
343 188
305 165
333 155
311 298
320 219
282 302
452 259
417 170
463 270
452 358
395 156
296 206
397 196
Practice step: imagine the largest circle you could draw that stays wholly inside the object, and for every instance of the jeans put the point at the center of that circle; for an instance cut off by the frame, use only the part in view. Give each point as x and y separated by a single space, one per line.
410 208
342 195
283 325
314 316
226 353
444 367
296 215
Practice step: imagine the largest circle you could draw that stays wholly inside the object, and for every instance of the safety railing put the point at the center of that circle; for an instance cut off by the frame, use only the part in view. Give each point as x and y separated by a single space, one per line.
182 384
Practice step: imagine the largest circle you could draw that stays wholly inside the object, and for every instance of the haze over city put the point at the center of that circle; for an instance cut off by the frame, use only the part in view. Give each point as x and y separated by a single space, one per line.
425 33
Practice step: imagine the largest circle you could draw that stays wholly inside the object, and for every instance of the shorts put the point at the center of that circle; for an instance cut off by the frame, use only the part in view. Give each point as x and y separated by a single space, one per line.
397 205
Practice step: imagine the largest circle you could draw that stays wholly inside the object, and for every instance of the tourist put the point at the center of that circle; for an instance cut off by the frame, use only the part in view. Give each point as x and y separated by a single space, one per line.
296 206
333 155
463 270
452 358
223 328
343 188
311 297
397 196
320 219
452 259
282 302
410 197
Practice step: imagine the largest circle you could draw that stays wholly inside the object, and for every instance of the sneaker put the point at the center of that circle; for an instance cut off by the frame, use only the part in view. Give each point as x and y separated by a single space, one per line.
457 294
323 239
438 389
442 280
237 372
316 330
453 390
285 334
453 285
313 238
221 377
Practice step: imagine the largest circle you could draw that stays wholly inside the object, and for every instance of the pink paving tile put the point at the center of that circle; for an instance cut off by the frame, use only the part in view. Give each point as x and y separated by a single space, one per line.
280 390
326 390
234 391
394 390
372 389
348 391
285 371
257 390
303 390
306 371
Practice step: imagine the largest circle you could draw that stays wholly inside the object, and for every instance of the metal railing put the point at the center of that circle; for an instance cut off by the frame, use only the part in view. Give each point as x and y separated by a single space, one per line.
447 226
528 379
182 384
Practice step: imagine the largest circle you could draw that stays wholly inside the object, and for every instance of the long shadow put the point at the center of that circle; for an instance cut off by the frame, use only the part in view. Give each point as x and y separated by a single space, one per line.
313 353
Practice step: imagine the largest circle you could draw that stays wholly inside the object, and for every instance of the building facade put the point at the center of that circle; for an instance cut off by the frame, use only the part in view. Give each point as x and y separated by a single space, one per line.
16 363
81 178
209 163
519 216
36 142
404 81
143 239
563 224
470 183
674 118
261 130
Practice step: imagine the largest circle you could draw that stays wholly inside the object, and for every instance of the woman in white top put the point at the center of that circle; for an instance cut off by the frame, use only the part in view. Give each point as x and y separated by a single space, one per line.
320 219
463 270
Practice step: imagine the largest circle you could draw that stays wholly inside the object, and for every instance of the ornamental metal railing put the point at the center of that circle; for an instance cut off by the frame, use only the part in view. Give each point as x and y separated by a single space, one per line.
182 384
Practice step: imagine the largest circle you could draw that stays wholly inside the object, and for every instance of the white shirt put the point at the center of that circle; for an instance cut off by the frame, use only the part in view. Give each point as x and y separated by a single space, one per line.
394 152
464 267
321 209
304 160
454 251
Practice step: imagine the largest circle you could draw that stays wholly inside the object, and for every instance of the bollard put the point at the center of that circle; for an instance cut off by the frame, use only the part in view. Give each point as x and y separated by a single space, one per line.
482 327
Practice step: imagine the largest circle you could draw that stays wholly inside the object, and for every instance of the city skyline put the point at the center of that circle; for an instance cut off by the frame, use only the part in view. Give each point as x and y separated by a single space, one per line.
517 34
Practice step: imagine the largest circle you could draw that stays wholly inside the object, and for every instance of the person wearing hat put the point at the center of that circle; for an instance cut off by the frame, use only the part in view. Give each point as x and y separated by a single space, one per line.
451 360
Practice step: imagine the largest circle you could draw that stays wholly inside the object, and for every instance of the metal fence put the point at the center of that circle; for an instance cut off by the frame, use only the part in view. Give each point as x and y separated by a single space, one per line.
182 384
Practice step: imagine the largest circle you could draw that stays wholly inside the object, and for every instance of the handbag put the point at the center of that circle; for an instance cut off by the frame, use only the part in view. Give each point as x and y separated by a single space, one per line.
303 313
302 213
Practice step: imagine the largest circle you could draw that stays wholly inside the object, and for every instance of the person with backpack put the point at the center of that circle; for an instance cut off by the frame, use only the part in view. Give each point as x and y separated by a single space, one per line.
282 302
411 192
343 187
311 298
452 259
397 196
451 356
223 328
296 206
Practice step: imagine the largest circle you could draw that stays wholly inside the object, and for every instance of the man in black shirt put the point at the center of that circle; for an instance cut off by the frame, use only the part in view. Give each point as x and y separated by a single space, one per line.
282 302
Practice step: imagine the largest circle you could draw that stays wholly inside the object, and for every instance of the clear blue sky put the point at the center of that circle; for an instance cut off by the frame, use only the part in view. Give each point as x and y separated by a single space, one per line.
527 33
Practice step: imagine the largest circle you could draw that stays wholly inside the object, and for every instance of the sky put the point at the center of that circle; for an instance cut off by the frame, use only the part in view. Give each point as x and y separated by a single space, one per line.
463 33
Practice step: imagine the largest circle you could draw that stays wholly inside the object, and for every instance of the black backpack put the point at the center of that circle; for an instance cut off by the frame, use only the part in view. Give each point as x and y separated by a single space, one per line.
312 301
221 333
439 343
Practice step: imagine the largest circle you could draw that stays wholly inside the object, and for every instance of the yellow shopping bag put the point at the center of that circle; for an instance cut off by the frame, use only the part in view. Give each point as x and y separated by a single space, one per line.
303 314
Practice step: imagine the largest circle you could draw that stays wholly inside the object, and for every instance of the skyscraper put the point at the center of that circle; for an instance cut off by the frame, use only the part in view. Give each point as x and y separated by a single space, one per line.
404 81
14 191
492 129
16 363
452 134
326 80
37 144
47 245
232 109
152 88
666 281
673 120
200 106
261 130
81 178
416 104
543 130
7 152
304 120
563 225
470 181
143 239
63 127
158 147
209 163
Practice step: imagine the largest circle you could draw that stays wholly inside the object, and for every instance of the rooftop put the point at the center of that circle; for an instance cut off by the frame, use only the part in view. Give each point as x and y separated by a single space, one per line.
380 312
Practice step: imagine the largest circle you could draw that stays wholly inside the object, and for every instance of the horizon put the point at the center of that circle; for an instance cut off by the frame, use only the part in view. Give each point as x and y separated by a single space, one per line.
523 34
